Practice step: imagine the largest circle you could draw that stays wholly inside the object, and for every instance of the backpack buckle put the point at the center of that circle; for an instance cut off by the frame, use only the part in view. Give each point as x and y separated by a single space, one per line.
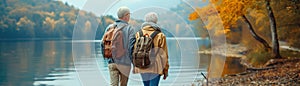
146 35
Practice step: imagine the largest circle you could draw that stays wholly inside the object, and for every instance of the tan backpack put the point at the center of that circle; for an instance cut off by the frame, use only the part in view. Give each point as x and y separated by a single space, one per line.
113 46
141 51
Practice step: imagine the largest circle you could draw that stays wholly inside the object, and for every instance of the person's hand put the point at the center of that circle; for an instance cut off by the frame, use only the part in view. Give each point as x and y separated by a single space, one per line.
133 70
165 76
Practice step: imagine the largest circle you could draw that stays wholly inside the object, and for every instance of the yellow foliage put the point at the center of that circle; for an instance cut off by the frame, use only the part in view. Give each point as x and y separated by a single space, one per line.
99 21
50 22
259 16
61 21
62 14
193 16
87 25
108 20
82 13
19 10
177 28
214 1
226 31
25 22
51 14
229 11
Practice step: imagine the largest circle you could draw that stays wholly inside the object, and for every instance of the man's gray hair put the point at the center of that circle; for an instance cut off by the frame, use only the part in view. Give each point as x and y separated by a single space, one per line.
151 17
122 11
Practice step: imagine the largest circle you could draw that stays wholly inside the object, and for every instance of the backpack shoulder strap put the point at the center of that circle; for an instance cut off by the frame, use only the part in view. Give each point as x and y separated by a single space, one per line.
120 28
141 33
113 26
154 34
117 29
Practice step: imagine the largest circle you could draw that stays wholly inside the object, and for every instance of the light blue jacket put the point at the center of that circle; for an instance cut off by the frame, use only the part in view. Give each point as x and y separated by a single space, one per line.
128 34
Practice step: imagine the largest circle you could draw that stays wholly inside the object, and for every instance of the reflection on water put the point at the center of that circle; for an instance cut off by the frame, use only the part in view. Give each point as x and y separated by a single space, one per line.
26 63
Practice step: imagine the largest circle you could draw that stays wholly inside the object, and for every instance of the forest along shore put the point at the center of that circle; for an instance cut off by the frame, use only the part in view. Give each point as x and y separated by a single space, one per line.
284 71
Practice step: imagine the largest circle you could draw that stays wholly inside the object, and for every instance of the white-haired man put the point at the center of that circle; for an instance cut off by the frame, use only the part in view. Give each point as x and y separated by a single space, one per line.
119 68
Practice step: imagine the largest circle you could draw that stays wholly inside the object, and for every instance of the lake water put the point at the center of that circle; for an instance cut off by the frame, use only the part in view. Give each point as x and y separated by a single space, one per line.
56 63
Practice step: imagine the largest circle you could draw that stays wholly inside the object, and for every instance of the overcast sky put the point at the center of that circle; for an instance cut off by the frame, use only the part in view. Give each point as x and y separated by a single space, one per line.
104 7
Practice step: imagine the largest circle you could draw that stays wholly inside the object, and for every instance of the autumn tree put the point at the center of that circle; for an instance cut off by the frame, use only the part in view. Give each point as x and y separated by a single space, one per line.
287 14
42 19
60 27
49 25
26 26
233 10
275 43
183 9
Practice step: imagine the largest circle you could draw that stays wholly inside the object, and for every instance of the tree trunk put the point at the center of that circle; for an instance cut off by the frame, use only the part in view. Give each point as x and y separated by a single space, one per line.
253 33
275 43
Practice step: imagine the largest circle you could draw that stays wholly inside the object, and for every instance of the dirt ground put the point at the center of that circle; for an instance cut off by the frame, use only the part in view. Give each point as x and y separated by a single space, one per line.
277 72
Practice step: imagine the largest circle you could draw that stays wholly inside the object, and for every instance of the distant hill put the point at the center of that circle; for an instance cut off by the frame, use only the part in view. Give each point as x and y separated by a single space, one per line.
55 19
43 19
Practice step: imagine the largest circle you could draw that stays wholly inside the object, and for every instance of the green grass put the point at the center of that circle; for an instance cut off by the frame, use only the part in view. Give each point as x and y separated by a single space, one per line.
259 57
290 54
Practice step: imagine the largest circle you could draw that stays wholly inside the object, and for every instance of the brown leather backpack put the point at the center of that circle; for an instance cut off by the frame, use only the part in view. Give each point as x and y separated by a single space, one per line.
113 42
141 51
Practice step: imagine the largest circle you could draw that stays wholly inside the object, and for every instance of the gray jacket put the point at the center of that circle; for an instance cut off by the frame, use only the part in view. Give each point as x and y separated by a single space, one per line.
128 34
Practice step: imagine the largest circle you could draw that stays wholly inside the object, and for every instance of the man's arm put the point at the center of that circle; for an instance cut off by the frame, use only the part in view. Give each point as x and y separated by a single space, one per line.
165 49
131 42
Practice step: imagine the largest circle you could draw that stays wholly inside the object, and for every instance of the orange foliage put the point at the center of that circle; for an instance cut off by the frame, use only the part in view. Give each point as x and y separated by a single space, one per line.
229 11
194 16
